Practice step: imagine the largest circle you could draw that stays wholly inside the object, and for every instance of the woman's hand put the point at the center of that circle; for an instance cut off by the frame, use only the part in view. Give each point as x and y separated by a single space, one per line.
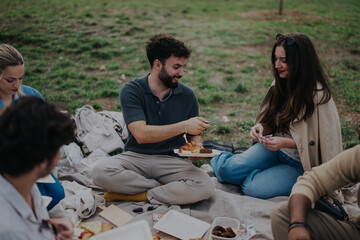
256 131
276 143
64 227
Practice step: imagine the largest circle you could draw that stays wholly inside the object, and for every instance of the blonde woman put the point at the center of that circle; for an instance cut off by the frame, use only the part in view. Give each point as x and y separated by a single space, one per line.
12 69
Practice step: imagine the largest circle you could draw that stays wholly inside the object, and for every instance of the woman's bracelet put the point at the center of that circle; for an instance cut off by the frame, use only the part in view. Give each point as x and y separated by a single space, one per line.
186 126
297 224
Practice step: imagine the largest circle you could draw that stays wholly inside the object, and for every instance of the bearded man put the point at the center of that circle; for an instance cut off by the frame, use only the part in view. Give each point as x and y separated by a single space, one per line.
158 110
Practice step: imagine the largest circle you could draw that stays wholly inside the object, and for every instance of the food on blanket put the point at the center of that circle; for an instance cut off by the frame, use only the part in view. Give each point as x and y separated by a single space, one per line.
156 237
86 230
196 239
156 217
192 147
223 232
205 150
106 227
93 227
79 233
85 235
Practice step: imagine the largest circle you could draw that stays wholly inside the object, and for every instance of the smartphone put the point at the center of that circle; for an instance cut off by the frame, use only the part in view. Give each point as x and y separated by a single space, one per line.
265 138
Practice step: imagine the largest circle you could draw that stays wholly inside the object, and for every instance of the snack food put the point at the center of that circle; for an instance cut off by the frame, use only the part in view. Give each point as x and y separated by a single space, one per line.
223 232
92 227
85 235
206 150
192 147
156 237
106 227
86 230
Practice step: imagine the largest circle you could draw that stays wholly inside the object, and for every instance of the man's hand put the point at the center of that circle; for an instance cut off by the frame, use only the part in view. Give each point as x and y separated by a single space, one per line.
256 131
299 233
144 133
197 125
64 227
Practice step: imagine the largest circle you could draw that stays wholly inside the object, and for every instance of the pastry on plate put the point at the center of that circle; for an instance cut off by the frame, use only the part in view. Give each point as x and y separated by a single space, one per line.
191 147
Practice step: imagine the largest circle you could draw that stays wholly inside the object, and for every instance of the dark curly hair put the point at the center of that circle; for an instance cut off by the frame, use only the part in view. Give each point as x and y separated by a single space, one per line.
32 132
162 46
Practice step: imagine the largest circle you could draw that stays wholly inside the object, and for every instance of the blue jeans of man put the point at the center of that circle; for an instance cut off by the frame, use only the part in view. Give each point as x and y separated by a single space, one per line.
260 172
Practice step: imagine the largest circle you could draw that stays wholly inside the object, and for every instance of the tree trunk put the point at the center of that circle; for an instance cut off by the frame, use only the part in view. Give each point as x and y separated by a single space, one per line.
280 7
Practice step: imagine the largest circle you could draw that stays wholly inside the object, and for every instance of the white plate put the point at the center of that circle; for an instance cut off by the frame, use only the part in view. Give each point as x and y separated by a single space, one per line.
190 154
139 230
181 225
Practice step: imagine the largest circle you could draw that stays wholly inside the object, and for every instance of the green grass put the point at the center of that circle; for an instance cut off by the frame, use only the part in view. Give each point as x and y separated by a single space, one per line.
82 52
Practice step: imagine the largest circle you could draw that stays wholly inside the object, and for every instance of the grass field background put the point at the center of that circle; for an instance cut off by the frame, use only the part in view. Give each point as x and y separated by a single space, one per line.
83 51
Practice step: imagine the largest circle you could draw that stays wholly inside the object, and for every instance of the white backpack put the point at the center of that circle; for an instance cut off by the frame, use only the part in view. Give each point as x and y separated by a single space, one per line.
104 130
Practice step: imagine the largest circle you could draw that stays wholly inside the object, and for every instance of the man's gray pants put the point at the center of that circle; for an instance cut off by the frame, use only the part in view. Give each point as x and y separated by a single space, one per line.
131 173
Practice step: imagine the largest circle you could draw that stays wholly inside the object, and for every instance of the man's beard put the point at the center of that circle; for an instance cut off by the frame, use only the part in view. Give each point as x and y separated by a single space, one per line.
167 79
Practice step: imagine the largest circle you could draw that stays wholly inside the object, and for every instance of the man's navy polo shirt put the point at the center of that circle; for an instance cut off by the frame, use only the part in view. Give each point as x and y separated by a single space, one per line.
139 103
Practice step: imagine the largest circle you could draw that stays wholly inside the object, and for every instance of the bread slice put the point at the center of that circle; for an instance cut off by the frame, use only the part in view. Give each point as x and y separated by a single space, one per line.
93 227
86 235
106 227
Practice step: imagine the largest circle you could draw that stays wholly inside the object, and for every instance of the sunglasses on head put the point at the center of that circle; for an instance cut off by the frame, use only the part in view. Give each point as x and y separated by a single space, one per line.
288 40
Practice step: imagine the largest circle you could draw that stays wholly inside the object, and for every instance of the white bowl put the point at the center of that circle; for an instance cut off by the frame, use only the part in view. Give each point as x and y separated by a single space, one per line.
225 222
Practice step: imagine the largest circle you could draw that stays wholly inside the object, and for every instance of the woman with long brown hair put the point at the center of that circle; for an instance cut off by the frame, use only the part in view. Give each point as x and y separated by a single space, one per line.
297 126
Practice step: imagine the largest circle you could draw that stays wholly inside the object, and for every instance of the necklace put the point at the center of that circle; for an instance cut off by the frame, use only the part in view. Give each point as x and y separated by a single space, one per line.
167 96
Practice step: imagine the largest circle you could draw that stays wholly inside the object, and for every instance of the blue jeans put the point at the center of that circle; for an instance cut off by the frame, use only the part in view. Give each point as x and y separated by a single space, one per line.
54 190
261 173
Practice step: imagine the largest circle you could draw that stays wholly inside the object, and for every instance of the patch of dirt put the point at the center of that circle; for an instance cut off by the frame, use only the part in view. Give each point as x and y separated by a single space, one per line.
223 109
273 15
216 79
345 112
107 103
51 54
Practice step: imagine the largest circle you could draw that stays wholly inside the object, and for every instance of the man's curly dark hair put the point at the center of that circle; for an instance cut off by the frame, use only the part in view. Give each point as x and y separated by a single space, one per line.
162 46
32 132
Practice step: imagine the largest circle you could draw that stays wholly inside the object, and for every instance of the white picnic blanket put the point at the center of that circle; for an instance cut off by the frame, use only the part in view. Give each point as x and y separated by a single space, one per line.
227 201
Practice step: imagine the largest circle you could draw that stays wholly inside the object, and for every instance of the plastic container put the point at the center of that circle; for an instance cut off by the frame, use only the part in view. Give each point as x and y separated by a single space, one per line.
225 222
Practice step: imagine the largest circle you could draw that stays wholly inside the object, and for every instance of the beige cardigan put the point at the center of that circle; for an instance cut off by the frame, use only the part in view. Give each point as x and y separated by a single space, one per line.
319 138
323 180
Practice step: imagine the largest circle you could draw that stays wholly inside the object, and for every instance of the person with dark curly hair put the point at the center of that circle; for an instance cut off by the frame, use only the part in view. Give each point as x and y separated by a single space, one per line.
297 126
12 70
31 134
158 110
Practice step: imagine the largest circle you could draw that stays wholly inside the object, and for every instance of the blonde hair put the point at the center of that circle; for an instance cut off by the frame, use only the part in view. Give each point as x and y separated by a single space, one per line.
9 56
